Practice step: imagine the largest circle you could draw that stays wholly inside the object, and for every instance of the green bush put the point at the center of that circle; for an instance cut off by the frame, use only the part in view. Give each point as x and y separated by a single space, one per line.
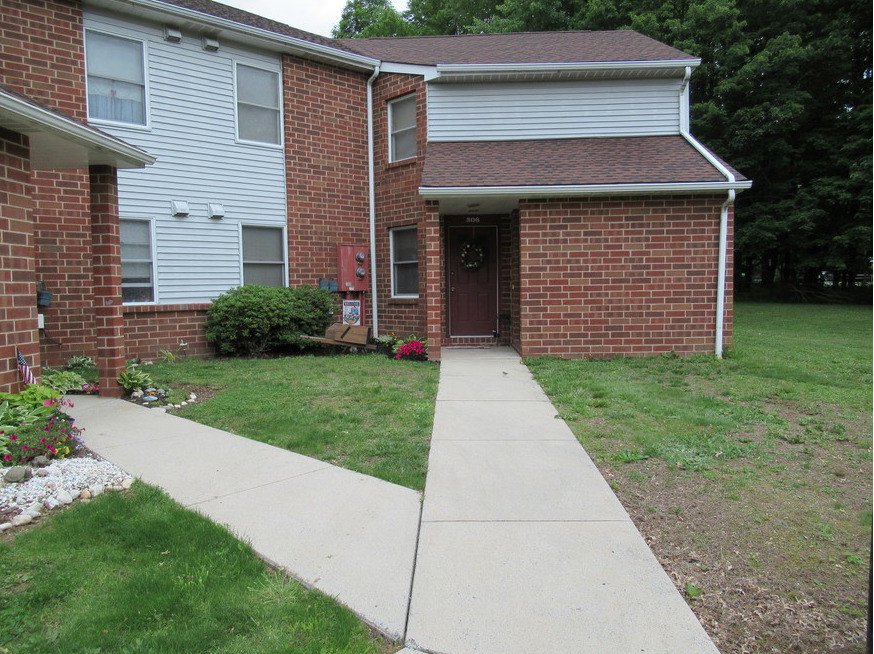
134 379
63 381
253 320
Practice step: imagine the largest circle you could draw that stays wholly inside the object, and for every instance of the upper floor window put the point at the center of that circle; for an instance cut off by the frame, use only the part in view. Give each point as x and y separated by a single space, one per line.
402 128
116 78
137 269
404 262
263 256
258 112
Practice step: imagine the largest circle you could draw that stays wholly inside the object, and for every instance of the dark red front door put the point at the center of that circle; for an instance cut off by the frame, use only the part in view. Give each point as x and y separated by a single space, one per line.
473 280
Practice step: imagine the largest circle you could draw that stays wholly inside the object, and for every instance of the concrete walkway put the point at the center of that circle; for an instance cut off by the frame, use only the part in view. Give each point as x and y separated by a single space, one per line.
522 546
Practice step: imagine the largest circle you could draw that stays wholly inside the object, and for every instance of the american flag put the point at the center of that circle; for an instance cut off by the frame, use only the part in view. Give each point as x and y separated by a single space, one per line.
24 369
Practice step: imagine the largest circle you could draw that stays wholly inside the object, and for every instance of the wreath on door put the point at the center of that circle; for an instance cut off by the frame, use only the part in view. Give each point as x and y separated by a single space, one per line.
472 256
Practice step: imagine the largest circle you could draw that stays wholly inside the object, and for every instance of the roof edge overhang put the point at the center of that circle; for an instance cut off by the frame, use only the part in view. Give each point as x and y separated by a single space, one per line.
101 148
472 72
245 33
578 190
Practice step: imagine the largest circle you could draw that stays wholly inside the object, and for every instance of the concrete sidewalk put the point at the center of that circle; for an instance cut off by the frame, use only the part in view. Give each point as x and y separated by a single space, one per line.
522 546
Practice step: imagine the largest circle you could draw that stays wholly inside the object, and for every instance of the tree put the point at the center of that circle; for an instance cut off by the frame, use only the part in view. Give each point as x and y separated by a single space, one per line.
370 18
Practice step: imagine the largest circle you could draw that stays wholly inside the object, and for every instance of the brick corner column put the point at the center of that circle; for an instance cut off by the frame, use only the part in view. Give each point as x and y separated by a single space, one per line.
106 270
433 280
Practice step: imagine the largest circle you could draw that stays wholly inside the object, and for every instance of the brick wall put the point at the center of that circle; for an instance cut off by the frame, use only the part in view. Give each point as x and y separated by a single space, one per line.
398 204
150 329
42 55
326 160
634 276
17 276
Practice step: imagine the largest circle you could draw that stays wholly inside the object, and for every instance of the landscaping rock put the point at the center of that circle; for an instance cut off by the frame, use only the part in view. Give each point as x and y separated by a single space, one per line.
40 461
17 474
85 495
96 489
127 483
135 395
5 526
21 519
42 472
64 497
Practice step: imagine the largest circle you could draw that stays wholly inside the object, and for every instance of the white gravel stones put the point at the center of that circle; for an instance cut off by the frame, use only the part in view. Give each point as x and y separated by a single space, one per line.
64 480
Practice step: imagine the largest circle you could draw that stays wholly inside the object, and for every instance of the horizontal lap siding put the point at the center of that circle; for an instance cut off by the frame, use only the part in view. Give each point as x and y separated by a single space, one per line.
548 110
192 132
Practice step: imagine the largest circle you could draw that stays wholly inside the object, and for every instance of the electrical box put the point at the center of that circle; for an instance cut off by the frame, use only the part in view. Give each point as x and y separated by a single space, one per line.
353 268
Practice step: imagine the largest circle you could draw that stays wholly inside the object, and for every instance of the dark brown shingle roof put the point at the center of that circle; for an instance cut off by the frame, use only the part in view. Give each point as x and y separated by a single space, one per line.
527 47
561 162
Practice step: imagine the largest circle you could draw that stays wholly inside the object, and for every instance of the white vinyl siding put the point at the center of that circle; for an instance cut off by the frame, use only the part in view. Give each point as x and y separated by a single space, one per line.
551 110
115 78
137 261
193 134
258 111
263 256
404 262
402 128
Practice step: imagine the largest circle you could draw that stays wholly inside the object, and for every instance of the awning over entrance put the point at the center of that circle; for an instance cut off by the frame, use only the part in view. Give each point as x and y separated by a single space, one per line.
501 172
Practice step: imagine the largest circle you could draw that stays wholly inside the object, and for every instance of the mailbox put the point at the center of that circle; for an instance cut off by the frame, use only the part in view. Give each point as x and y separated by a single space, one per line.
353 268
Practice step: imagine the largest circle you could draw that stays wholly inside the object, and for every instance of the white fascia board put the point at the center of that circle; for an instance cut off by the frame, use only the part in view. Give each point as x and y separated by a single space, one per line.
491 69
263 37
428 72
436 193
27 118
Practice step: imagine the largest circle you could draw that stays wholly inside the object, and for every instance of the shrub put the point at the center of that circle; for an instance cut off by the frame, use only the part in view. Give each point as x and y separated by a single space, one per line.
252 320
63 381
412 349
32 423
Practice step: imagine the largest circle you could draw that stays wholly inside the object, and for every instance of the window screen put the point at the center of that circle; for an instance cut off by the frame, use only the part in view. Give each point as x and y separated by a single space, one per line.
263 259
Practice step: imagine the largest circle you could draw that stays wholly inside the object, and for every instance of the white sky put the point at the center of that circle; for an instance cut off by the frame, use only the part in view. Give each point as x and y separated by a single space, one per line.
317 16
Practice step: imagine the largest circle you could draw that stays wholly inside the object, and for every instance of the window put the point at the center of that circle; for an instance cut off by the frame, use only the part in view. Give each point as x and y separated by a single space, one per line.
116 79
263 256
137 269
404 262
258 115
402 127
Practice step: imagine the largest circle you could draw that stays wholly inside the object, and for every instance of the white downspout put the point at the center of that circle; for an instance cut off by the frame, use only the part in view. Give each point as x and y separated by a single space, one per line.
723 213
372 203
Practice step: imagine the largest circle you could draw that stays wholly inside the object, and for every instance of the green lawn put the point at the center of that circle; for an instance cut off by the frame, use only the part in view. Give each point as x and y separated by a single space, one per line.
369 413
749 476
136 573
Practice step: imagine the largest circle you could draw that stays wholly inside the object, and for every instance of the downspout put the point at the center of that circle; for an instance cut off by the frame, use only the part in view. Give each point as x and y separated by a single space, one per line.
723 214
372 202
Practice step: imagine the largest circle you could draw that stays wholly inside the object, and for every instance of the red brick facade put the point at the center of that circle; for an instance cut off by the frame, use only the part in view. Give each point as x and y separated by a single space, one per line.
17 276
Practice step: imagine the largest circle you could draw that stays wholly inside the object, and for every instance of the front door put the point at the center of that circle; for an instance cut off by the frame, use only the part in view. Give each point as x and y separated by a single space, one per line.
473 280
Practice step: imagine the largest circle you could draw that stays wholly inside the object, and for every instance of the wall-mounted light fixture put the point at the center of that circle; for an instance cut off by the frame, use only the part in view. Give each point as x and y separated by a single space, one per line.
172 34
179 208
210 44
215 210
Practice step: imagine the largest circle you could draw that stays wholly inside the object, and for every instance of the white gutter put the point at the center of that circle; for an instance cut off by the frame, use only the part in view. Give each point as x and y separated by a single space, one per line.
371 179
440 192
30 117
579 66
284 42
720 274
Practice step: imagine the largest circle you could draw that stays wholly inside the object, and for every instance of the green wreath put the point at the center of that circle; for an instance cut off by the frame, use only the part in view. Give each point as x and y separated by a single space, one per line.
472 256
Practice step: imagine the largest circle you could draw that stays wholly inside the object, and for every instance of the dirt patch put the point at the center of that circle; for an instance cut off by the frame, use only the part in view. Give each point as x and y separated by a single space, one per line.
771 553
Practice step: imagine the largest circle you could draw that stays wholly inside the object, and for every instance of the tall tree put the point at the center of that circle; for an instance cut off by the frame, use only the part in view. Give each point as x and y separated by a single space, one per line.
370 18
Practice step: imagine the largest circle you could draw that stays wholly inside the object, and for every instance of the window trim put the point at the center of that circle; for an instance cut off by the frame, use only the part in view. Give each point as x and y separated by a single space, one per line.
393 263
154 262
146 86
279 109
413 128
284 262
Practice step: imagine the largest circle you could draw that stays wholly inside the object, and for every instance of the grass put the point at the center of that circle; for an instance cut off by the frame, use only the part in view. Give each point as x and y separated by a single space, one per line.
750 476
135 573
365 413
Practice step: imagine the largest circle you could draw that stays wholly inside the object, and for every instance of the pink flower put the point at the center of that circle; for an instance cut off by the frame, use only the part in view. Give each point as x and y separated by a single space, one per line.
13 437
8 457
48 402
42 440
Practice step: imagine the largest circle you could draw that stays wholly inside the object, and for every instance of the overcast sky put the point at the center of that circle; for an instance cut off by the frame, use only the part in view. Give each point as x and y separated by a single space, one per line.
317 16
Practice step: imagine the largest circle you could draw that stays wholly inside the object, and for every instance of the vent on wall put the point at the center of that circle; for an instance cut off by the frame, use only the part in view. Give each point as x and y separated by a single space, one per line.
172 34
210 44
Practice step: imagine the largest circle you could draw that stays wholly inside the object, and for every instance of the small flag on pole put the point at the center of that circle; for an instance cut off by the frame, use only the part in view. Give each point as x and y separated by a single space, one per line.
24 369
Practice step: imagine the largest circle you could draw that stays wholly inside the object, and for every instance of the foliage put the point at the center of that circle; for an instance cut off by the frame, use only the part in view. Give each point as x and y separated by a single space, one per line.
84 366
253 320
369 414
783 93
53 437
63 381
33 403
411 349
133 378
136 572
364 18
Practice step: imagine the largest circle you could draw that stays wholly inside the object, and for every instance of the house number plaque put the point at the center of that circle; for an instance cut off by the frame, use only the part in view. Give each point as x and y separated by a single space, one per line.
472 219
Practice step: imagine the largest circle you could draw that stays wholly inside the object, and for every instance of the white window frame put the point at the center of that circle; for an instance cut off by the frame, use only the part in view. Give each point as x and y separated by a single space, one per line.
284 262
391 133
154 262
393 263
279 109
146 89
